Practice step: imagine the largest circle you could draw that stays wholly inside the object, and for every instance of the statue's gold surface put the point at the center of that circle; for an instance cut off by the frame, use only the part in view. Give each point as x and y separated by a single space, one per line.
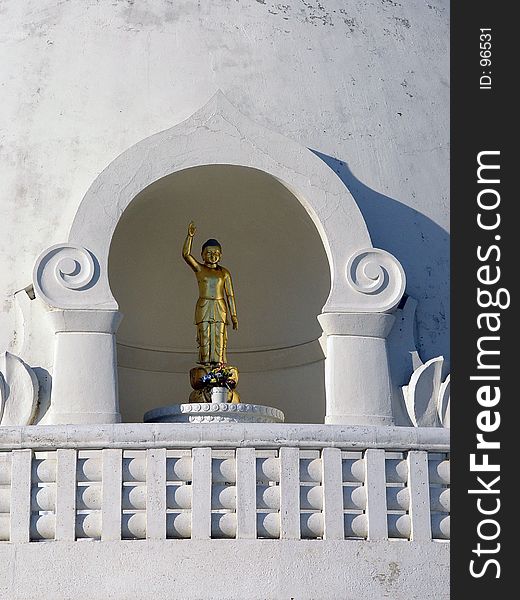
216 300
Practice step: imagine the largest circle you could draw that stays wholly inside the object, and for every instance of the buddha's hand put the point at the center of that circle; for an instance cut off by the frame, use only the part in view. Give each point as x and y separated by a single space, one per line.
191 229
234 320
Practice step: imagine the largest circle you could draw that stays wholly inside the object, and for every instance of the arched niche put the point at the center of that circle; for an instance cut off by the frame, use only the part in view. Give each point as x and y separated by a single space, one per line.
281 278
73 278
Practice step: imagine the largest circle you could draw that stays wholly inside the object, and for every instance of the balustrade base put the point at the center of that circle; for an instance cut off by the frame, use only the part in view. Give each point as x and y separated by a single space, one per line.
126 569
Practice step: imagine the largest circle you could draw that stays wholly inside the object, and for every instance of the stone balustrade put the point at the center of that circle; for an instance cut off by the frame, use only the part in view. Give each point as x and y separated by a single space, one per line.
170 481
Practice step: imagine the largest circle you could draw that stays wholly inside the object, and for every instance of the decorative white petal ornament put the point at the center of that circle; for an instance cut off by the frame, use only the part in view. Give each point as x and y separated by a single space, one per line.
443 408
427 397
18 391
3 393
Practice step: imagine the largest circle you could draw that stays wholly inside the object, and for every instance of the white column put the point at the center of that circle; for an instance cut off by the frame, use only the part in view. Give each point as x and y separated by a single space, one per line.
156 493
375 484
332 481
419 488
21 464
66 495
357 378
290 493
84 380
246 493
111 505
201 494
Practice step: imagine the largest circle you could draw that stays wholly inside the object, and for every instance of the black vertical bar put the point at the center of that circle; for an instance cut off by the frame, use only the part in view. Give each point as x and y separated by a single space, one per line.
483 120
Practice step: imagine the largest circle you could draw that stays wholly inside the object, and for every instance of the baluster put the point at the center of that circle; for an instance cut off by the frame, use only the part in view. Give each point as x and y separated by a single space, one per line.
246 493
290 493
201 488
418 484
66 495
332 478
156 494
21 465
112 484
375 483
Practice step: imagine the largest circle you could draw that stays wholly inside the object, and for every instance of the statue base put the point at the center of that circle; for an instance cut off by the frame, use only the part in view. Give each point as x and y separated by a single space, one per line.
222 412
214 395
214 384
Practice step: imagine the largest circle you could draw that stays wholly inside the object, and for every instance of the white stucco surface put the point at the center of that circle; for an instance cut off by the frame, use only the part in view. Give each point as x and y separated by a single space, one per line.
268 569
344 103
364 84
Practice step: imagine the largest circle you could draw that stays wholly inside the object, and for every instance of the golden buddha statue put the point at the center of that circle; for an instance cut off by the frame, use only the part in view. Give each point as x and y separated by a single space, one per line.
216 300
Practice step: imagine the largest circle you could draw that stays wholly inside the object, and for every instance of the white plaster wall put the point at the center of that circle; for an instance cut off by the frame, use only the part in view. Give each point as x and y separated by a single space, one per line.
363 83
237 569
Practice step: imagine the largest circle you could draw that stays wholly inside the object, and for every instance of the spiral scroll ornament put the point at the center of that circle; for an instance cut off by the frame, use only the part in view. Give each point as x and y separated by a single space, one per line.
379 275
62 271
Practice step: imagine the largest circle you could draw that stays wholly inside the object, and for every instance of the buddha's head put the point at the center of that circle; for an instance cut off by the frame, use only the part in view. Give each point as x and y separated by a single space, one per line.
211 252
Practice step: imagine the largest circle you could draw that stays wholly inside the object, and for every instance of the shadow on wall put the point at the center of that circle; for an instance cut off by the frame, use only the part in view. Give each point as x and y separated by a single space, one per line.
422 247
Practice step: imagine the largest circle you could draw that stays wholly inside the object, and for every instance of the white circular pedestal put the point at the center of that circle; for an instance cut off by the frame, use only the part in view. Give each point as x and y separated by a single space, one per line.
217 413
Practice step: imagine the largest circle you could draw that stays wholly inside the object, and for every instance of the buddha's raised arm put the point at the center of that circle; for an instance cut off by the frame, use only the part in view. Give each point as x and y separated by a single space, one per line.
186 249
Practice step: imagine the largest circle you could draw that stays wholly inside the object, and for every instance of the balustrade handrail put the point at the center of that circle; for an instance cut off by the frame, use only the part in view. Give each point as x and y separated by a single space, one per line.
223 435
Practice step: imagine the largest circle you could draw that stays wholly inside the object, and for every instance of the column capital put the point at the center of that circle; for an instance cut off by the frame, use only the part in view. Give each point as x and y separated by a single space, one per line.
87 320
375 325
